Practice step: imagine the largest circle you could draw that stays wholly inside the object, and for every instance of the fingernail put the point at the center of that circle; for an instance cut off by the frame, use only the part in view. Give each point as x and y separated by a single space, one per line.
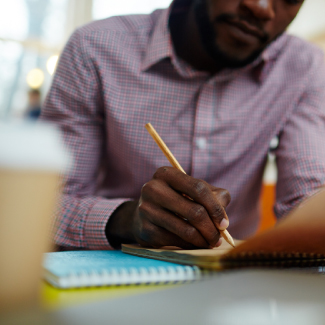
224 224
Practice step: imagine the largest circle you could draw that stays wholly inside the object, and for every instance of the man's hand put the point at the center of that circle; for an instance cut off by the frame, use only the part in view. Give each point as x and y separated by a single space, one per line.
164 216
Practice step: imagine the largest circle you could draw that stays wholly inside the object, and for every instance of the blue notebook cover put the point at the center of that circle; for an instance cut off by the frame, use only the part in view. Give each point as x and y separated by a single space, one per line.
75 269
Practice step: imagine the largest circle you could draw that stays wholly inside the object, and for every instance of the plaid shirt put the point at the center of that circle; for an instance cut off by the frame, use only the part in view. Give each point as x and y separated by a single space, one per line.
117 74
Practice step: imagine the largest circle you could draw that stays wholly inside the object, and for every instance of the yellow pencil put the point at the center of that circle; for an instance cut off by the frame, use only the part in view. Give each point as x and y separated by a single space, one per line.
224 233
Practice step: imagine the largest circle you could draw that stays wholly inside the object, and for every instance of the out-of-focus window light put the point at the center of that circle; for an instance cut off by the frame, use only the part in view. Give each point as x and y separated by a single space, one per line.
51 64
107 8
35 78
31 31
54 23
310 20
14 28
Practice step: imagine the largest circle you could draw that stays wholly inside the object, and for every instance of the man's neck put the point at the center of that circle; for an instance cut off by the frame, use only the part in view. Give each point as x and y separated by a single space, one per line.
187 42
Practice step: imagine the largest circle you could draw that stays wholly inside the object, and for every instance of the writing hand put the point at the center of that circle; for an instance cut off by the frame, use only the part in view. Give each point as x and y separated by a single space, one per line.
164 217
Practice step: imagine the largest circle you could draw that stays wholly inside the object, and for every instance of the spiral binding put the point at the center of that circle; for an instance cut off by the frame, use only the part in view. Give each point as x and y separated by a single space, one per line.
132 276
274 259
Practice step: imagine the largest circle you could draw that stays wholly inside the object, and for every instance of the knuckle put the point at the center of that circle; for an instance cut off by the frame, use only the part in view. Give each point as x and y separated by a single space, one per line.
196 213
226 196
193 236
146 188
200 188
223 196
145 208
219 212
160 172
190 233
149 188
142 208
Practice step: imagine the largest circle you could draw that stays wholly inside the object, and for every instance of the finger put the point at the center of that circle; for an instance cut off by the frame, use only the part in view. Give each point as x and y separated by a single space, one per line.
196 215
222 195
198 190
160 237
175 225
219 242
166 238
183 230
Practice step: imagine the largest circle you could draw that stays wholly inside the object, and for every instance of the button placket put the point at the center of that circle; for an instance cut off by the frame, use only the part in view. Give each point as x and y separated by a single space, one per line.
201 143
203 125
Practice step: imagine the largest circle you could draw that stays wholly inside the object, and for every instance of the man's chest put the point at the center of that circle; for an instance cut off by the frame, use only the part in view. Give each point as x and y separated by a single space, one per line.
207 118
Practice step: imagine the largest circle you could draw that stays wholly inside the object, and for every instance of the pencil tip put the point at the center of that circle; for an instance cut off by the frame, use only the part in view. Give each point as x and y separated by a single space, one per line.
225 234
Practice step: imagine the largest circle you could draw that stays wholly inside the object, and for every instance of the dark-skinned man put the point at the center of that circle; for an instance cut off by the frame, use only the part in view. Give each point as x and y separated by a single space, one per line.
218 80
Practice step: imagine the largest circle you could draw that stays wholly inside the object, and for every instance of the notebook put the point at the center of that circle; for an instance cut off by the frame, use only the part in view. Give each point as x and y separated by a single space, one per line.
76 269
296 241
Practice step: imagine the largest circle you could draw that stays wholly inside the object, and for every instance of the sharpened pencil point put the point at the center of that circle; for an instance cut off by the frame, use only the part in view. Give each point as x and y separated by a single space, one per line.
225 234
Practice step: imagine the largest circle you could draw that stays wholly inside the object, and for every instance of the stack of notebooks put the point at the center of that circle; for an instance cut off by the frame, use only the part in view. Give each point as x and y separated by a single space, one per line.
297 241
112 268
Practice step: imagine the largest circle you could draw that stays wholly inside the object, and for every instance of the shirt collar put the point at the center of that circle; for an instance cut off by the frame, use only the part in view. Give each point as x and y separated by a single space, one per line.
274 49
160 44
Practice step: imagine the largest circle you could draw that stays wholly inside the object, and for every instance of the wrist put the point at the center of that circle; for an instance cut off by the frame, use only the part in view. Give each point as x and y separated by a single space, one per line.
119 228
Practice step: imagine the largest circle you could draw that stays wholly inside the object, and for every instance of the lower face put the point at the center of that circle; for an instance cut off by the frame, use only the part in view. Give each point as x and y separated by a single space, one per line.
229 44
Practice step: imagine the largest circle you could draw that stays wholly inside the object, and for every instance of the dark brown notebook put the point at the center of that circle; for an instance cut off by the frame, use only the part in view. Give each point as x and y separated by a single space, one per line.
296 241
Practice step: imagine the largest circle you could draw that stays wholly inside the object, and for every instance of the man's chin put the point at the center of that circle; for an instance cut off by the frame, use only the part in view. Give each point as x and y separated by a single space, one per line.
229 59
232 61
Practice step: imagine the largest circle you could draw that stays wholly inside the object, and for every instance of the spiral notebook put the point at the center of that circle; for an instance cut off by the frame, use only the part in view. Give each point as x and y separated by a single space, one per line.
75 269
297 241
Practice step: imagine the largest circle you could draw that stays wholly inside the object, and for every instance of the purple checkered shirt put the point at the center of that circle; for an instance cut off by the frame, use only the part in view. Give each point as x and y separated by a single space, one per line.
117 74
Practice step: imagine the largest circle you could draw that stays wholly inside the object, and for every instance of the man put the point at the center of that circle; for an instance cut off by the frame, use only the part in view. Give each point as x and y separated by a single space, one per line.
218 80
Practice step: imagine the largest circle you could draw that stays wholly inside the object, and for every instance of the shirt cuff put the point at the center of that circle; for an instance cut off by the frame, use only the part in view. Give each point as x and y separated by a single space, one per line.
98 216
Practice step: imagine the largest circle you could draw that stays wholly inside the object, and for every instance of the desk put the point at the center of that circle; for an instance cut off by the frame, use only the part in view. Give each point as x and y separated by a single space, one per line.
241 297
250 297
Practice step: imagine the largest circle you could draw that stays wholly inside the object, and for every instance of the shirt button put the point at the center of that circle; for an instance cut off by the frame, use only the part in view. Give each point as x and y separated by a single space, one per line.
201 143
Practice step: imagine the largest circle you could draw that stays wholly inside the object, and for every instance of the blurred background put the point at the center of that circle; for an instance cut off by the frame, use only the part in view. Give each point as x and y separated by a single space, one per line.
33 33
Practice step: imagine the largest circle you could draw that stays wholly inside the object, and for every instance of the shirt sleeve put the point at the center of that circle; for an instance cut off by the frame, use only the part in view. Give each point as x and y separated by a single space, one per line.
74 104
301 151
